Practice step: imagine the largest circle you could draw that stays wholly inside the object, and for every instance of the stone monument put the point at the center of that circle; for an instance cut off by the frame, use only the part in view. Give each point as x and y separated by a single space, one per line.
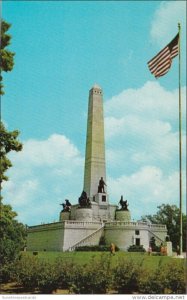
93 217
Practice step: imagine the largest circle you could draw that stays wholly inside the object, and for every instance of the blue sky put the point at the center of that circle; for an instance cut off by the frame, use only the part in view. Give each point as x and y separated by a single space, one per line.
64 47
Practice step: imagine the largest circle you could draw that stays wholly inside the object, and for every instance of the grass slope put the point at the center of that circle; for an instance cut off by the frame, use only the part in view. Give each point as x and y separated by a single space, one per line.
85 257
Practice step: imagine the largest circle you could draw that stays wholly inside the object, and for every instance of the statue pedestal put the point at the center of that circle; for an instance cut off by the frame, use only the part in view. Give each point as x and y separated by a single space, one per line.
169 248
123 215
83 214
64 215
101 198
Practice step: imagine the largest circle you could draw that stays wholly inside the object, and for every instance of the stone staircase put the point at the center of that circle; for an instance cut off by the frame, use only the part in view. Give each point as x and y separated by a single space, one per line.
156 236
89 240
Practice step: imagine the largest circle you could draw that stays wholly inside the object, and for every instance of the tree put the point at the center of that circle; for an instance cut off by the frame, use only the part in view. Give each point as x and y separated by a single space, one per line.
7 57
170 216
12 235
8 142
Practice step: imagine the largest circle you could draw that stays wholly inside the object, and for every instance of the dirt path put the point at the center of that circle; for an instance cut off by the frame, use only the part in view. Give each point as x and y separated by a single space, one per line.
15 288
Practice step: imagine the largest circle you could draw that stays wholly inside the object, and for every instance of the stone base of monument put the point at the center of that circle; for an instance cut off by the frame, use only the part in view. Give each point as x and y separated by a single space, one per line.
123 215
64 215
83 214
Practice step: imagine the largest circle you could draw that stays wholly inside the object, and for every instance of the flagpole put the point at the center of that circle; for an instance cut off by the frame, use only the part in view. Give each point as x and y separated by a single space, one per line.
180 145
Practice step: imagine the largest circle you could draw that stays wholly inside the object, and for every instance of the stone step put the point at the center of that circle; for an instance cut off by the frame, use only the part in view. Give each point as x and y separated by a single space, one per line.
89 239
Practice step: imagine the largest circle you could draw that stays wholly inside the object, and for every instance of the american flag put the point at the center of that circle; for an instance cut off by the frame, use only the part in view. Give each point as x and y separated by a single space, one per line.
160 64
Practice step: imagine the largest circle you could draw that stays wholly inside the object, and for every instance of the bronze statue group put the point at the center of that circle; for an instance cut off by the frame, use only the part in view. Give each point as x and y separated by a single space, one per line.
84 200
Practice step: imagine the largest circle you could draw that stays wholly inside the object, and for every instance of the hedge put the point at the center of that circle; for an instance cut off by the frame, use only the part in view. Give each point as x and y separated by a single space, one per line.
99 276
95 248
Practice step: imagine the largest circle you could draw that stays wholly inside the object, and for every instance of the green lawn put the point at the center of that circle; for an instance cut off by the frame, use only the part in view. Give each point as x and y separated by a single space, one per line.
84 257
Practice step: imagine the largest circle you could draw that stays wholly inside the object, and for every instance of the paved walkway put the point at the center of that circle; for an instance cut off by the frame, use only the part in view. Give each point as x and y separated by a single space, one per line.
183 254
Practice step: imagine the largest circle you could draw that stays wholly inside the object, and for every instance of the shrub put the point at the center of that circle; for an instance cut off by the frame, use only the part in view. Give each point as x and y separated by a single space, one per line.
153 245
26 272
149 282
93 278
95 248
33 273
96 277
6 272
65 272
125 276
134 248
47 278
173 276
165 279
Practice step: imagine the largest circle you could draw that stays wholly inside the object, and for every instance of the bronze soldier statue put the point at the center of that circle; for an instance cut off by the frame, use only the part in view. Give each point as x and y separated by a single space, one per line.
101 187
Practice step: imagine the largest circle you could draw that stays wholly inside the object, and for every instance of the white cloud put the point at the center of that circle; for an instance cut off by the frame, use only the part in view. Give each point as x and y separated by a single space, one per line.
149 101
57 149
133 124
44 173
141 128
165 20
142 147
145 190
19 193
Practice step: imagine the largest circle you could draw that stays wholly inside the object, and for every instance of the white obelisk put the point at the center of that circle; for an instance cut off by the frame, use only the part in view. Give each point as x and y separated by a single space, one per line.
95 143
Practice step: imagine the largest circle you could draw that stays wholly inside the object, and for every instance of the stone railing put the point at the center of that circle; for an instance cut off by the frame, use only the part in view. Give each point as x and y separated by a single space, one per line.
124 223
81 224
156 226
86 239
134 224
